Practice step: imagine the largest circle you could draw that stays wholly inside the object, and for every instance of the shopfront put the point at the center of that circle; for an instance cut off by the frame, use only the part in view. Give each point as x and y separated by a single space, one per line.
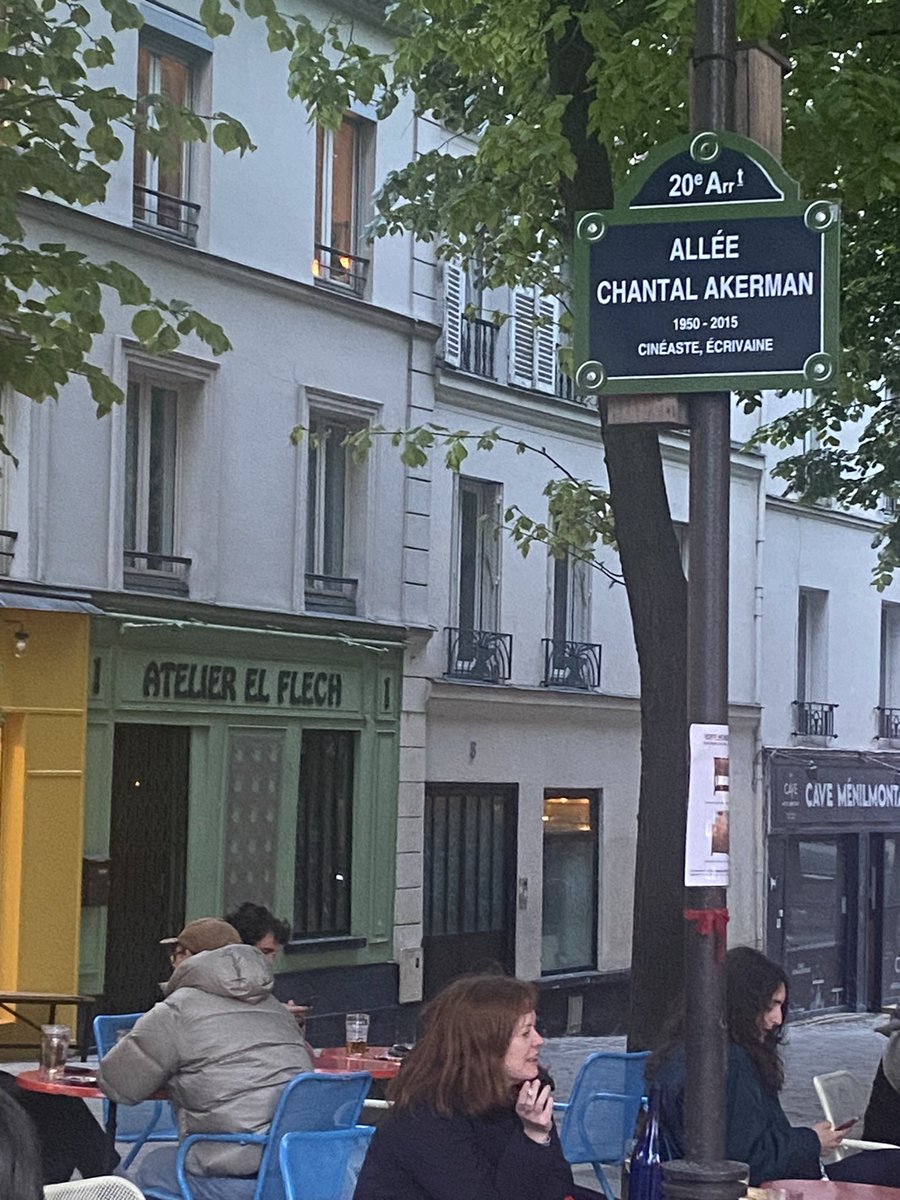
833 916
227 764
43 668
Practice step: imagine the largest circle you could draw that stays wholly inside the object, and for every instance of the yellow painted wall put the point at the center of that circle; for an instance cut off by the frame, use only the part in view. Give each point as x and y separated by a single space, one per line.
43 699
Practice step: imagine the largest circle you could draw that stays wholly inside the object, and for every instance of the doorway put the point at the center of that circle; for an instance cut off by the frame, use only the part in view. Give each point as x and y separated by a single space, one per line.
469 879
886 951
812 918
148 859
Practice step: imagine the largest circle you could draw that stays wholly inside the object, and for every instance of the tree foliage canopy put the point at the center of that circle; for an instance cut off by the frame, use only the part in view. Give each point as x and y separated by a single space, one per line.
499 190
59 130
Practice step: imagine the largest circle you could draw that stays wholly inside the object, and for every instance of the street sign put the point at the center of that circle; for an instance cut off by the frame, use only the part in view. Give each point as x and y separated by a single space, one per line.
710 274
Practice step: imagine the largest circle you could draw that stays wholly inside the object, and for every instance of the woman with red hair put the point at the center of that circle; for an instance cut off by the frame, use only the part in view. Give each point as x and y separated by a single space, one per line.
472 1113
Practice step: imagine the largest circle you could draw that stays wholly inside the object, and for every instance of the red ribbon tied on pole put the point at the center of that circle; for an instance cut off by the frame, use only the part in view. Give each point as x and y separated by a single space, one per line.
710 921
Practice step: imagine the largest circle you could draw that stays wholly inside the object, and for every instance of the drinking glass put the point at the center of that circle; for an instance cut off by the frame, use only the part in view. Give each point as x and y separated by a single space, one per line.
54 1050
357 1030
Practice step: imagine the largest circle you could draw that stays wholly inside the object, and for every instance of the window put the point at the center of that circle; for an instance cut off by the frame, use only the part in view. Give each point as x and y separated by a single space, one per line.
570 660
470 336
341 185
812 683
329 509
151 449
8 536
322 886
569 922
479 555
571 599
162 183
889 686
533 340
814 717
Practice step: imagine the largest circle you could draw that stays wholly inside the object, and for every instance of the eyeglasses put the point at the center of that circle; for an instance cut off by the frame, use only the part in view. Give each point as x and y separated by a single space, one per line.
178 954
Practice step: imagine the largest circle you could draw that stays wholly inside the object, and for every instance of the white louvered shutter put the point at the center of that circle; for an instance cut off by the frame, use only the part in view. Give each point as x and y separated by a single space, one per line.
454 303
545 345
580 585
521 338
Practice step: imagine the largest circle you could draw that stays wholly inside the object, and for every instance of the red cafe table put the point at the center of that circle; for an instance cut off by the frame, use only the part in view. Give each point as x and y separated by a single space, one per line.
334 1059
831 1189
83 1084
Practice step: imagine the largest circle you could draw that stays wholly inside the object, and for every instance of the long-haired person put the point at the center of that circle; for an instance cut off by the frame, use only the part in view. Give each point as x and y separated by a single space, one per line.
20 1159
757 1130
472 1115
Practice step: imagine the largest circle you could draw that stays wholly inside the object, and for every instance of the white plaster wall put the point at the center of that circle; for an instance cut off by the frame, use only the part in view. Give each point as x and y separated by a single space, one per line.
242 502
259 209
582 742
831 551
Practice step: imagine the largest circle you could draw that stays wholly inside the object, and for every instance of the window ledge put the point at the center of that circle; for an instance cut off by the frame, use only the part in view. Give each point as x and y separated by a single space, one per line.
311 945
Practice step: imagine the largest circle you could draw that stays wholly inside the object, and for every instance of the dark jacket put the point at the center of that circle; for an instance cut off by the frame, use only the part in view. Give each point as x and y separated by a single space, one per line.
418 1155
756 1130
882 1121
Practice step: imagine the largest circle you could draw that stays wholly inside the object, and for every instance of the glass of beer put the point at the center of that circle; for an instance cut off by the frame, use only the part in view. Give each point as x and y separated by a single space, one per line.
54 1050
357 1031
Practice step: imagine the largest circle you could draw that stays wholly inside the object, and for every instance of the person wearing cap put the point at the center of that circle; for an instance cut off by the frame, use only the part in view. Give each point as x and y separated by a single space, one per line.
222 1046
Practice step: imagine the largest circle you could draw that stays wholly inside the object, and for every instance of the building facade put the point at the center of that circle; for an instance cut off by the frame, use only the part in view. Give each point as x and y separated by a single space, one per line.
255 670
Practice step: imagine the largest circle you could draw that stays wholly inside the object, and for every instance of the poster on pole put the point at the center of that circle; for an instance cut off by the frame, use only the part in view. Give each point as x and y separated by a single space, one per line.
706 842
710 274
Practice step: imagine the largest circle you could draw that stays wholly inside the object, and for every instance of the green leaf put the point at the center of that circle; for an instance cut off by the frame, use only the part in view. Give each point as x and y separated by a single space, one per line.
146 324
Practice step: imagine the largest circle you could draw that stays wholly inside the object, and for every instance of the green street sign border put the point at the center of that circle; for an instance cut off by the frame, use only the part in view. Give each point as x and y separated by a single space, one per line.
821 216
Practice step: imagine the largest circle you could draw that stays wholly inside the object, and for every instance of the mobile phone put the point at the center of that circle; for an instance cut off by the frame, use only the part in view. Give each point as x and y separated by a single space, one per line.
846 1124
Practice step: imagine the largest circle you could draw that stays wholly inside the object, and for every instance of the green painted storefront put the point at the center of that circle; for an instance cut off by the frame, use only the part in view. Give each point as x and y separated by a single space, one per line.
228 763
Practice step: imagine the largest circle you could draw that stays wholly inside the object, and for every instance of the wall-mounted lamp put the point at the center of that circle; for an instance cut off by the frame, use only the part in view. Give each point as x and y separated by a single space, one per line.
20 636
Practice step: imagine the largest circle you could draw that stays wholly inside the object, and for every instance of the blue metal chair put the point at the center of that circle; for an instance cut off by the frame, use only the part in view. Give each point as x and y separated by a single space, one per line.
323 1166
151 1121
308 1103
601 1112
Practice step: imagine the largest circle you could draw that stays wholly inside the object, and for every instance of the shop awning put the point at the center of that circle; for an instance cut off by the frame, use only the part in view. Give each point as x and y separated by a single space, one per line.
48 603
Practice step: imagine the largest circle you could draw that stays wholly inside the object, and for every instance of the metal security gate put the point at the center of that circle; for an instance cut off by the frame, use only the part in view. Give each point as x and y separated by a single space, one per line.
148 848
469 877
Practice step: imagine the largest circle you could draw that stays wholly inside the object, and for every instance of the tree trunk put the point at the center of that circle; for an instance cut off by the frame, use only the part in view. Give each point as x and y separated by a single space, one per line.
657 596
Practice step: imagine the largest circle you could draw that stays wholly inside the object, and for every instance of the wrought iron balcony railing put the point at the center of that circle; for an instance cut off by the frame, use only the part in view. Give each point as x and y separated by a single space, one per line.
478 655
340 268
331 593
813 719
172 215
889 724
479 341
7 549
571 664
151 572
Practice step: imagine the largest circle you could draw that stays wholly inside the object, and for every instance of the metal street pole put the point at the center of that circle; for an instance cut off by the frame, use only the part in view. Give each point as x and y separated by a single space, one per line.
705 1173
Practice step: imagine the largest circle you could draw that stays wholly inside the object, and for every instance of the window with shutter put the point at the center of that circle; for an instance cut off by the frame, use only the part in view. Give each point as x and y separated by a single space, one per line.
545 345
533 341
454 303
521 338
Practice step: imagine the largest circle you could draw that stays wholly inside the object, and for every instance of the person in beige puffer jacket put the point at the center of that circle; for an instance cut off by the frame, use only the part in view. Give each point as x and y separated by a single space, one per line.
224 1048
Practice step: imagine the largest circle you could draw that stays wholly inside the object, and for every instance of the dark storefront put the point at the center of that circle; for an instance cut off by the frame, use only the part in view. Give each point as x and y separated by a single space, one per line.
833 916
